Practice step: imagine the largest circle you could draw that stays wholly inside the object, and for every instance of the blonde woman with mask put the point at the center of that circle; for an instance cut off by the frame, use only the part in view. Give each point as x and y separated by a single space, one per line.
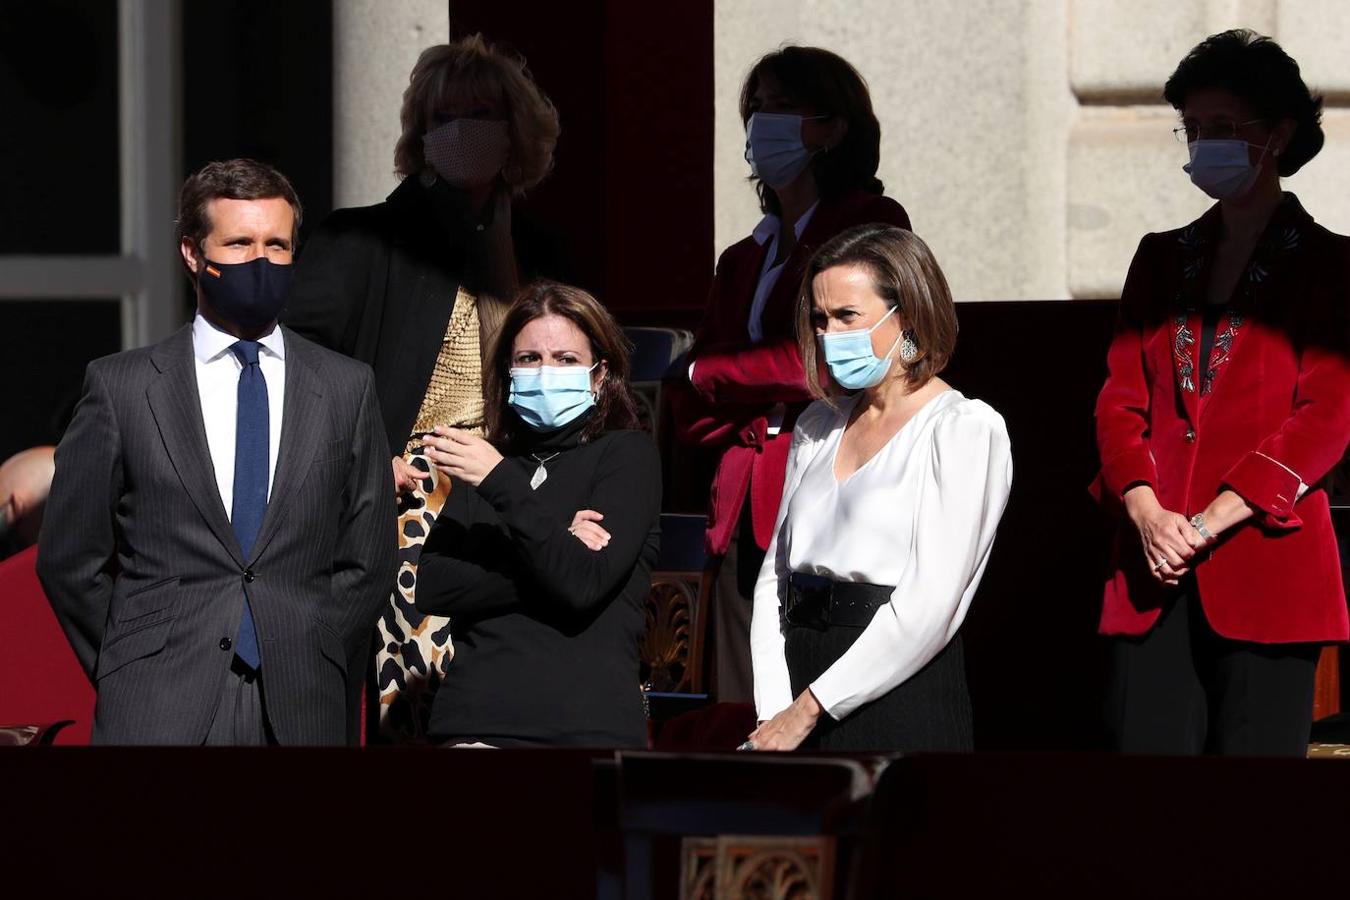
416 286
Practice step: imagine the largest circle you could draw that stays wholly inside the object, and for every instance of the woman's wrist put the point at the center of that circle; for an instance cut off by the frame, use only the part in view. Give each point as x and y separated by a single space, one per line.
1139 500
1225 511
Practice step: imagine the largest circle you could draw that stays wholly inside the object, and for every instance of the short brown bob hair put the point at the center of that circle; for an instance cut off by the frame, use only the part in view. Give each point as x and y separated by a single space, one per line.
232 179
904 274
615 407
827 85
474 69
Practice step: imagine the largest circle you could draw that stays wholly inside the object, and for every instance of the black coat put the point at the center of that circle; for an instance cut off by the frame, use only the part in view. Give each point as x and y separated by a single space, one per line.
378 283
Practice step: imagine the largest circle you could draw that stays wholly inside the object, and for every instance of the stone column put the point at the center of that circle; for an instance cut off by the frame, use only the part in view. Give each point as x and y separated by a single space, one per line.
375 43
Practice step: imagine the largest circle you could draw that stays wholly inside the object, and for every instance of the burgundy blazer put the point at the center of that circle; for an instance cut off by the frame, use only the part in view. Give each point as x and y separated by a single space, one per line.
1269 409
737 384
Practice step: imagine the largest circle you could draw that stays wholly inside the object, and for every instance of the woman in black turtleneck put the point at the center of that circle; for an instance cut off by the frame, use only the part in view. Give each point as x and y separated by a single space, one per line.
543 553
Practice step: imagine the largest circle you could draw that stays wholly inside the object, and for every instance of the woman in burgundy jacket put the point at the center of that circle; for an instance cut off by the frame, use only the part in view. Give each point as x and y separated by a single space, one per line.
813 144
1227 402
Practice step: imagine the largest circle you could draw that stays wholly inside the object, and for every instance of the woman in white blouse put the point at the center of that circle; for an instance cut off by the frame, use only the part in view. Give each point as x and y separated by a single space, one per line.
895 487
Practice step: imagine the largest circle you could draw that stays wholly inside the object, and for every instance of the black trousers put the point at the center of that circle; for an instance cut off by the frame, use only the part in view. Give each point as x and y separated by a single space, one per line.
1181 689
930 711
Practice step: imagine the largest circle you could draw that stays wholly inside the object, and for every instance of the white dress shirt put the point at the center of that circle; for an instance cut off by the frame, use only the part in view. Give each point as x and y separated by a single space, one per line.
769 231
218 389
920 514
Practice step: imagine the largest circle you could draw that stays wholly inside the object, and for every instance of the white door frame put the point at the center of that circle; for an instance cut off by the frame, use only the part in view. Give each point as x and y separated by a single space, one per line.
145 274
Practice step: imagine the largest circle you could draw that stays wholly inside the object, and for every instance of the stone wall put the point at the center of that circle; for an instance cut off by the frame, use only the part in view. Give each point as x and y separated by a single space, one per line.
1027 138
375 43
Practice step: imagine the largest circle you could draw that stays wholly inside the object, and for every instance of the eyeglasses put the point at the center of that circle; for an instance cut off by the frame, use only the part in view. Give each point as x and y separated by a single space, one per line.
1220 130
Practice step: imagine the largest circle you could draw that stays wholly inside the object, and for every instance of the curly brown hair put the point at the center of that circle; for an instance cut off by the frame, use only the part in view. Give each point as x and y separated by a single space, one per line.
473 68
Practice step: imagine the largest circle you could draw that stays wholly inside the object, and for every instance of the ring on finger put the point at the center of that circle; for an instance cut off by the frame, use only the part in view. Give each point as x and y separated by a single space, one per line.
1158 566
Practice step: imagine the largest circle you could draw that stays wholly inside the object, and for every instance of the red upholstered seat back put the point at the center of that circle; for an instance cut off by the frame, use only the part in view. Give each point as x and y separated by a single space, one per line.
40 680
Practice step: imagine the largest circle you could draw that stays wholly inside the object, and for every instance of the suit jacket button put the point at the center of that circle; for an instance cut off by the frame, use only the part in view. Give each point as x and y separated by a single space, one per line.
248 576
226 643
1190 435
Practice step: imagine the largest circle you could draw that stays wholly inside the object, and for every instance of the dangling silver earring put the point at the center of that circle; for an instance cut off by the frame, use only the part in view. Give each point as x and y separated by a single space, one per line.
909 351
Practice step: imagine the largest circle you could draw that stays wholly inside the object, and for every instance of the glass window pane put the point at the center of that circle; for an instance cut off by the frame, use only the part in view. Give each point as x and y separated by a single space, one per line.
45 345
59 161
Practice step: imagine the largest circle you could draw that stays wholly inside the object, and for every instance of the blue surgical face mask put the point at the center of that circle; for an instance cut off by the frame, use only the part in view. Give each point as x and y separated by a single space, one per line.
548 397
1223 169
851 361
774 148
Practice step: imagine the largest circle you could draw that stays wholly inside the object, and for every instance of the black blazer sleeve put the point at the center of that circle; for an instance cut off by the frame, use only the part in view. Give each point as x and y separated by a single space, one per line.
77 547
332 276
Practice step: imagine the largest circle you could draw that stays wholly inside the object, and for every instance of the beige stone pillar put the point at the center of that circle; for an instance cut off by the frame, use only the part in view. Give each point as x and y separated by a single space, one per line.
375 43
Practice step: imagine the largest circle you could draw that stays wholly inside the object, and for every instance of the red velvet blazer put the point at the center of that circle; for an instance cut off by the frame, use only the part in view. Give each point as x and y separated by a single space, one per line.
1268 410
737 384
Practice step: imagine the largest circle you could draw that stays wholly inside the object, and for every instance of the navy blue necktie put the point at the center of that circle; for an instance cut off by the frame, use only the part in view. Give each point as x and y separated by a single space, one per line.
250 478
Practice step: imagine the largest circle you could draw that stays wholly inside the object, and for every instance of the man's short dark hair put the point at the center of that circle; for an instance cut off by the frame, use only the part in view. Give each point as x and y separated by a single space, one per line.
232 179
1257 71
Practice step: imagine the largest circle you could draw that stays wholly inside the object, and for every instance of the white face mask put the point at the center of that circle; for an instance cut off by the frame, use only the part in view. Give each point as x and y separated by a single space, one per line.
1223 168
467 152
774 148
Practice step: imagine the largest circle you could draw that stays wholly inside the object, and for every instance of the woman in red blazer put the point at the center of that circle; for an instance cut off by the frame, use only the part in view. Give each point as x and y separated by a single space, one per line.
813 144
1228 400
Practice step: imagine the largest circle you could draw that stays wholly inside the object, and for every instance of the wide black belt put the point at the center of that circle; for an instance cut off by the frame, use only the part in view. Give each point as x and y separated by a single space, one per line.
818 602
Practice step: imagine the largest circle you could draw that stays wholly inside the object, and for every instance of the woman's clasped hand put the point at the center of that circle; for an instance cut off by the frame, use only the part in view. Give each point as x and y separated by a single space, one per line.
1169 540
461 454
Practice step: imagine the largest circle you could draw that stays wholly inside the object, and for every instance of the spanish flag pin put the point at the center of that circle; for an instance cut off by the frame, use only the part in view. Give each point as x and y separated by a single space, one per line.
212 270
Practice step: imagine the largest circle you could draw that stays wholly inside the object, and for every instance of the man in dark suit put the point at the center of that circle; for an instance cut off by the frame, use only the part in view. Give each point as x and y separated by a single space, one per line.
219 539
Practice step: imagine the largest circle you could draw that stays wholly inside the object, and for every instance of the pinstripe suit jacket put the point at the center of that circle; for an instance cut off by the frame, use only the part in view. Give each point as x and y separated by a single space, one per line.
143 569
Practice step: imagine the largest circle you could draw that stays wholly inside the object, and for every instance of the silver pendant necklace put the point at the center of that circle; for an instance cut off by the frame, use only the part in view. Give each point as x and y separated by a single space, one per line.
540 474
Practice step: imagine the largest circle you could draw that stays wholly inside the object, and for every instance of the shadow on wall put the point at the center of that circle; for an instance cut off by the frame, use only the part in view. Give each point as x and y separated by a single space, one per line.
1036 665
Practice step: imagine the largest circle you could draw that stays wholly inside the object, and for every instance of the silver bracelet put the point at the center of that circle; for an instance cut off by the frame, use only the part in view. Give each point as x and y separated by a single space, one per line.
1198 523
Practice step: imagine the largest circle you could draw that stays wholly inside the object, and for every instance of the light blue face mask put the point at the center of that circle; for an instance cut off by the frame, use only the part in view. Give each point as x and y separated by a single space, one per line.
548 397
774 148
849 356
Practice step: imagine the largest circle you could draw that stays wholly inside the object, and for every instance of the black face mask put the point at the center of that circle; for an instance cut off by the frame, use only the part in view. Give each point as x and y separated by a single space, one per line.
248 295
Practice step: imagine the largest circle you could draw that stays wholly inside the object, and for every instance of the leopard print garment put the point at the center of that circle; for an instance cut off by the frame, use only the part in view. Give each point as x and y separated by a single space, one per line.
414 650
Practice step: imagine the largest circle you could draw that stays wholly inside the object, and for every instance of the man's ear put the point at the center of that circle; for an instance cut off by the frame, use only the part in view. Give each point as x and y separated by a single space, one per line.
189 251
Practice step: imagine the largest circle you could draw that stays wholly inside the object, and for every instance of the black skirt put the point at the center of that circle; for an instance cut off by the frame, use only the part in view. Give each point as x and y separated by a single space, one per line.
930 711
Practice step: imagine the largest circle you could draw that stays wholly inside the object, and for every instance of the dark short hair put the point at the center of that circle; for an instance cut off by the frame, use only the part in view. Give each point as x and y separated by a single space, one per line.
232 179
904 274
616 409
1256 70
829 85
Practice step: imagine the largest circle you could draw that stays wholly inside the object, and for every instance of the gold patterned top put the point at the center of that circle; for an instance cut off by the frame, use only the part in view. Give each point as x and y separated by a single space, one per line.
454 395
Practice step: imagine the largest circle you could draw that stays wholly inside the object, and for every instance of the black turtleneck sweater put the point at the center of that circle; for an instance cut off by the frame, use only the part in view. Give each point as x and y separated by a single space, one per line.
545 629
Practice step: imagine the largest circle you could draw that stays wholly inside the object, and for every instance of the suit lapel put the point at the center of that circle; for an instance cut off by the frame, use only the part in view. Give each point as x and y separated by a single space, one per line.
302 414
176 407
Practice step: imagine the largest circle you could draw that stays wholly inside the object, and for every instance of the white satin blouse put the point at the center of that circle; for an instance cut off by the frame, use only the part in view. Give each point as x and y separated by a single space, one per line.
920 514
